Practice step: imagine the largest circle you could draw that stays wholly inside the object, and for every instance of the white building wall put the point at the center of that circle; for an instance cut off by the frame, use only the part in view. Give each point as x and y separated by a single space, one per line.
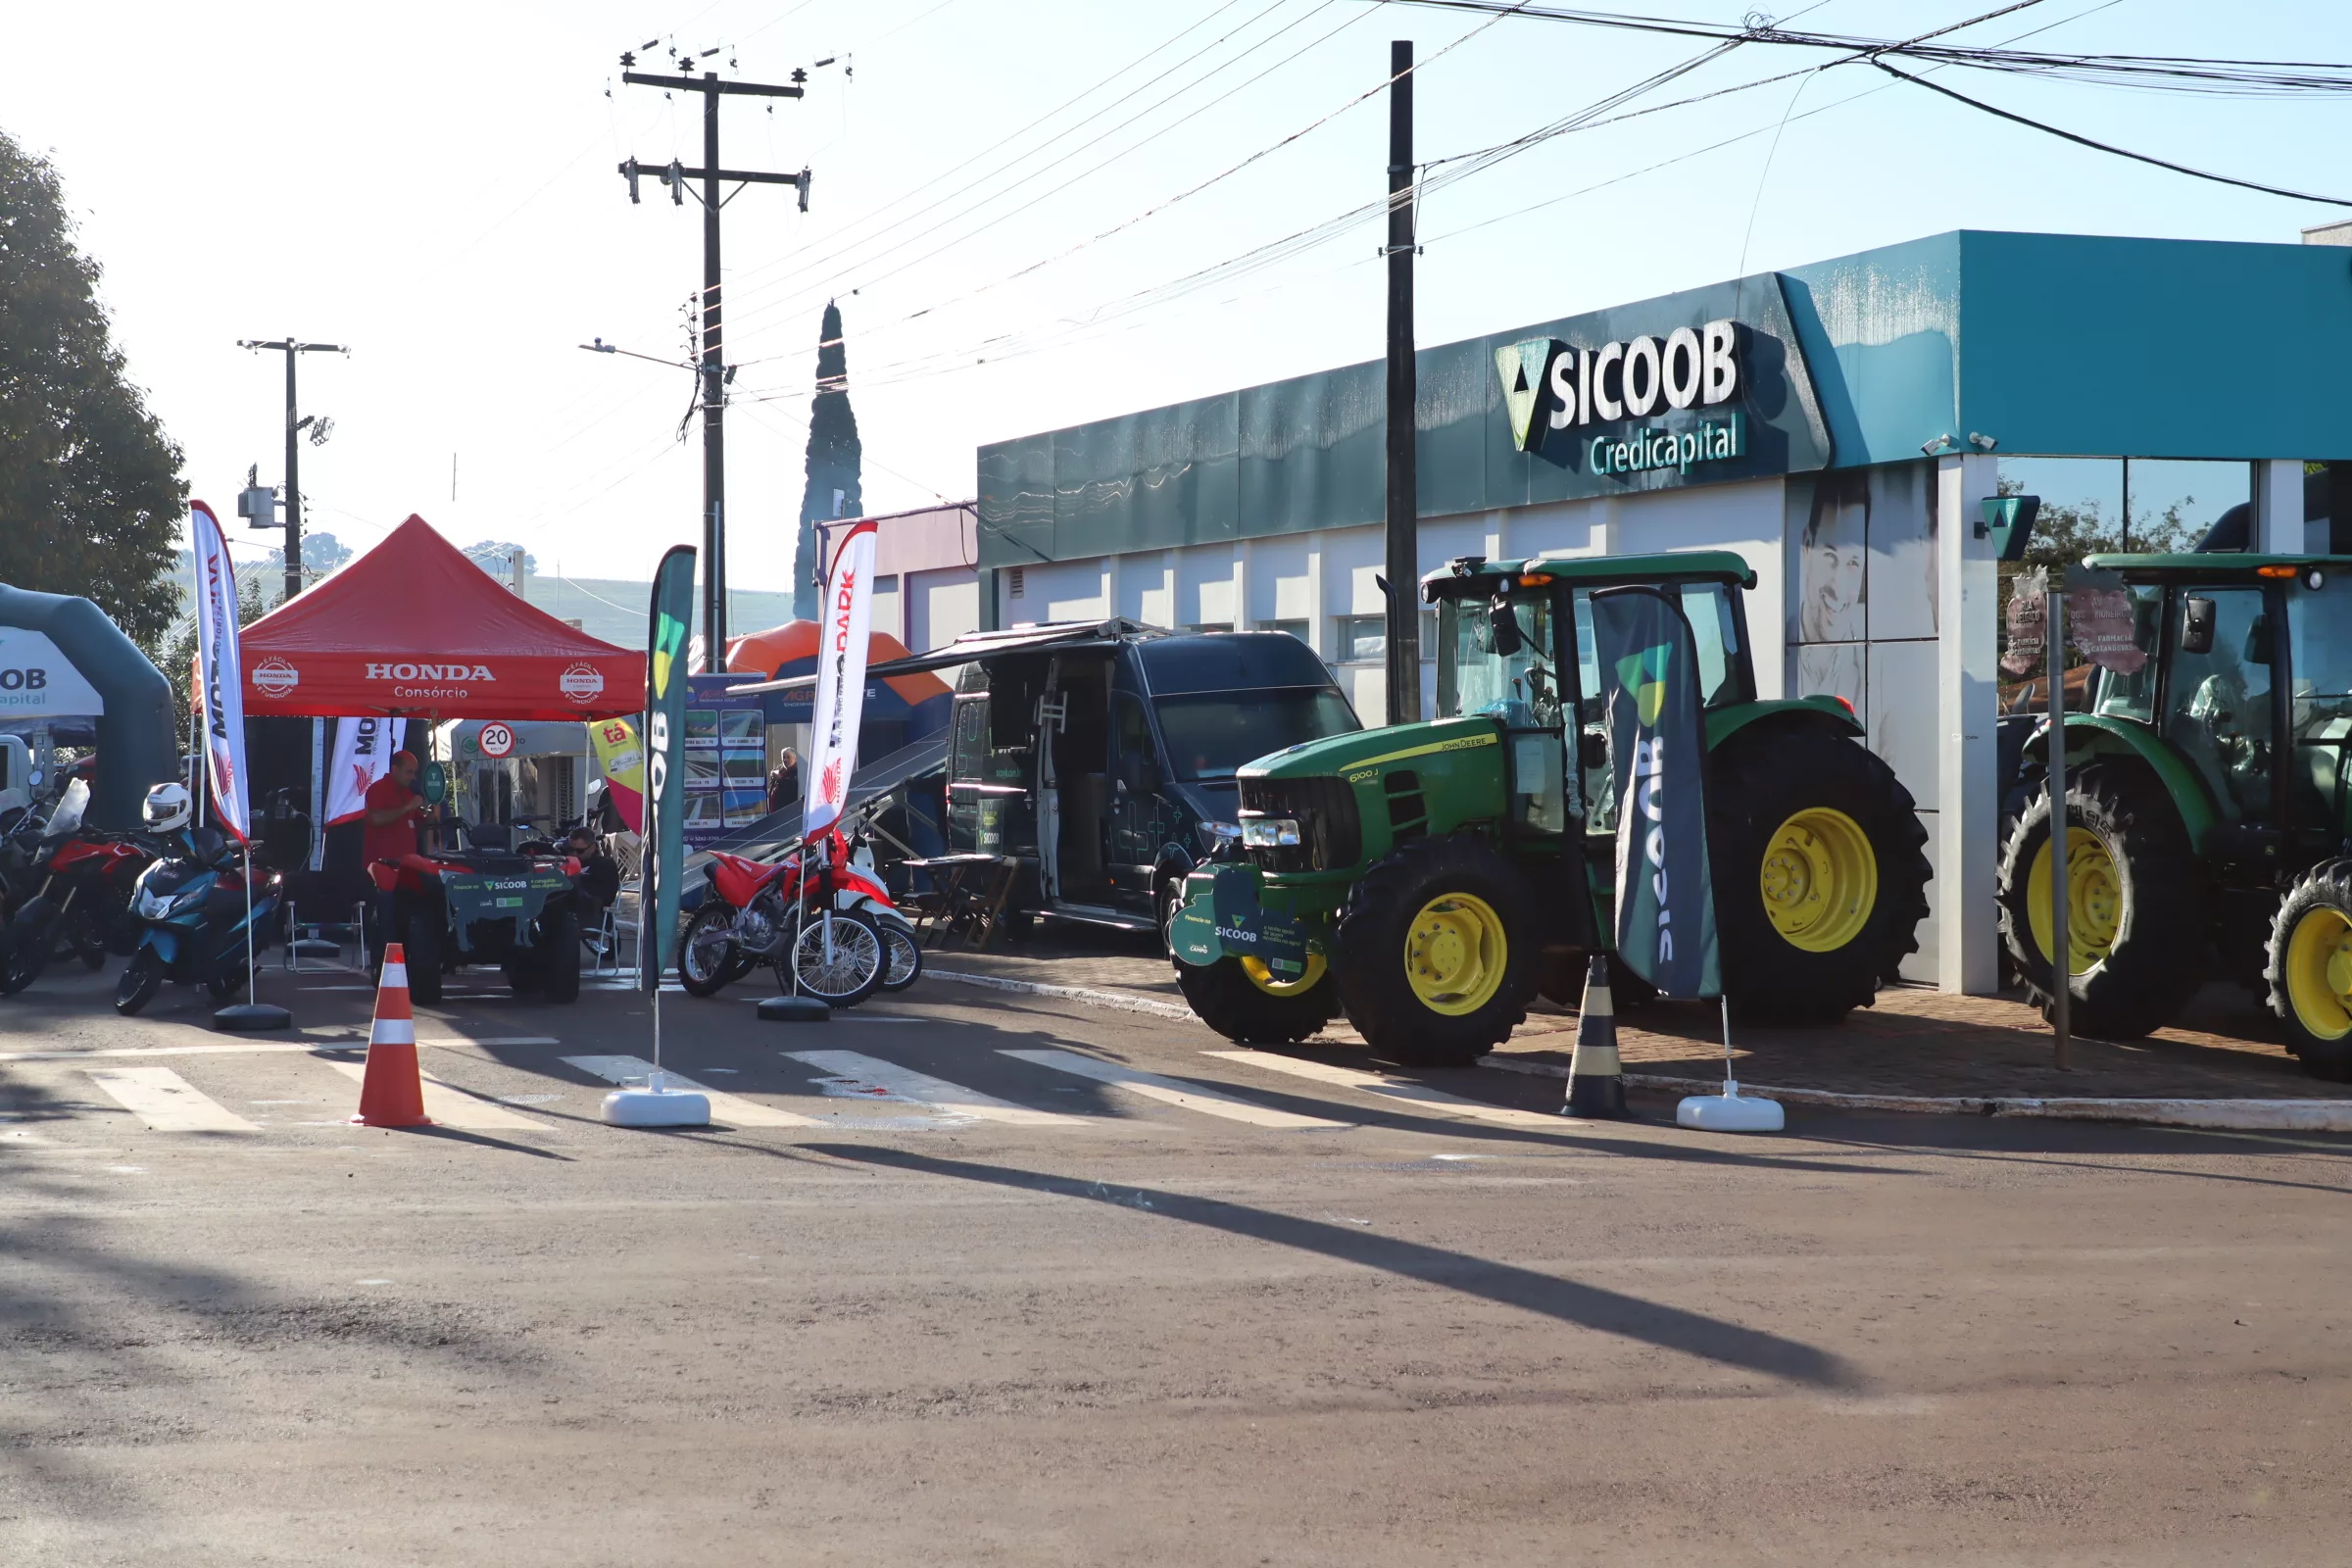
939 607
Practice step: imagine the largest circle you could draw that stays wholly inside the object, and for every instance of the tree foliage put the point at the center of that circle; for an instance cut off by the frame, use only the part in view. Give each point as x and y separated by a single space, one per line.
175 653
835 460
90 493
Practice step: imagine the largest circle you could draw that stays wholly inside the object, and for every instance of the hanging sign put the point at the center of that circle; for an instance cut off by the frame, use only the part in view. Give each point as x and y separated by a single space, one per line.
1665 900
665 759
840 698
362 755
622 763
220 684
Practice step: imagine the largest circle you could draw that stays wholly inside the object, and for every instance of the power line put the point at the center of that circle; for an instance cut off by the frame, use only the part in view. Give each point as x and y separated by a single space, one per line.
2108 147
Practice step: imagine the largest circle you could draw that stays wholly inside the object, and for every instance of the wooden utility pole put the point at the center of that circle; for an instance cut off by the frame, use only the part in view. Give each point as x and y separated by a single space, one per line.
292 347
1403 500
711 371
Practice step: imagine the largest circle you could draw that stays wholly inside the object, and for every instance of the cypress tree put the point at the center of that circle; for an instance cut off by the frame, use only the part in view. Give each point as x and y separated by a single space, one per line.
834 455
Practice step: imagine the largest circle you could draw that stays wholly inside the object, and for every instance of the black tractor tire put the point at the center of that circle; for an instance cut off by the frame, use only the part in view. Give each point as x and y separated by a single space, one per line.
423 933
1224 997
2156 960
1379 924
2311 980
523 974
1761 786
558 957
141 978
723 968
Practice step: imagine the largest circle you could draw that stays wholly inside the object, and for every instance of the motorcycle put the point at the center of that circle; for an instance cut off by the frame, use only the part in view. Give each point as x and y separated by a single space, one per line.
829 929
70 891
198 917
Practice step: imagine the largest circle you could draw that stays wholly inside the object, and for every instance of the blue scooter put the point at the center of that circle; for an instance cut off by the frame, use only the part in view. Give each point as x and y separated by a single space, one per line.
195 921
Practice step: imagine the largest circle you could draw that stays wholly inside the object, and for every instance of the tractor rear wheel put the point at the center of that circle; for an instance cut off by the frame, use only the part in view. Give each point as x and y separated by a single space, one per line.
1243 1000
2311 971
2134 939
1820 870
423 934
1435 956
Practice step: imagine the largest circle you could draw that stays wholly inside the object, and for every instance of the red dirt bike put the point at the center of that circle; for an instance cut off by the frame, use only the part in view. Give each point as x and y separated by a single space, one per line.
70 892
818 918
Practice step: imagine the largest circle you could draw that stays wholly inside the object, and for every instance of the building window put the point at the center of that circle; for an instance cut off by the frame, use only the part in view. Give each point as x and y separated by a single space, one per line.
1364 639
1015 582
1297 629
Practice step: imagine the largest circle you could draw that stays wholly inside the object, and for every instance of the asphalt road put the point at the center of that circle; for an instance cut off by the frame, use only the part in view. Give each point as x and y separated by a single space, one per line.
929 1302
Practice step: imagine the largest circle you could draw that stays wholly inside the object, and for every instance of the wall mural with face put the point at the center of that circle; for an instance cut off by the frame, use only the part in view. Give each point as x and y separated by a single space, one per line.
1862 620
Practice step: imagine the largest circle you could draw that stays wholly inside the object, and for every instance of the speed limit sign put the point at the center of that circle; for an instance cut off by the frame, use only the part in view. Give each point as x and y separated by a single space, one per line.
497 739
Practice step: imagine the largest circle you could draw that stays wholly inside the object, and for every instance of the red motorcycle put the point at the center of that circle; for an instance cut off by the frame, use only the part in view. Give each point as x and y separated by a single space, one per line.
829 929
70 890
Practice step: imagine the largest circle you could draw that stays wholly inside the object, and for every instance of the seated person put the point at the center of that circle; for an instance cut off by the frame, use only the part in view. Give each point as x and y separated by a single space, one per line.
599 875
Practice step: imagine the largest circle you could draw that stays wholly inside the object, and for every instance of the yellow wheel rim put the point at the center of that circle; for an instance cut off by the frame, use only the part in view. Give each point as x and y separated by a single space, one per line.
1820 879
2095 900
1455 953
2318 973
1262 976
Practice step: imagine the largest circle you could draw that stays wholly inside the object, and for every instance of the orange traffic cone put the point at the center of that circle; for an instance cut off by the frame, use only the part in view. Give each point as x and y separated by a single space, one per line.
392 1095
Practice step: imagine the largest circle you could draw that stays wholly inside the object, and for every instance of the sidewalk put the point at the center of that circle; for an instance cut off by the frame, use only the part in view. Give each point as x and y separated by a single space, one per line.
1915 1043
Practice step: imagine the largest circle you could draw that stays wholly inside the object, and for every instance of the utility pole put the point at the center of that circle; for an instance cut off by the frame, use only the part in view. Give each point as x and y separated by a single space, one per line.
712 369
292 347
1404 515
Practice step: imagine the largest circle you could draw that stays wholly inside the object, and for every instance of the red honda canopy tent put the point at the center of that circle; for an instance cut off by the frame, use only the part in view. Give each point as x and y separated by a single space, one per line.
412 626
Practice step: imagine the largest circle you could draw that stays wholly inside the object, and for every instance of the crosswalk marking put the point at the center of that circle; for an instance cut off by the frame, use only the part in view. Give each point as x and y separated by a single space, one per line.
1172 1091
1388 1088
263 1047
451 1106
167 1102
726 1108
924 1090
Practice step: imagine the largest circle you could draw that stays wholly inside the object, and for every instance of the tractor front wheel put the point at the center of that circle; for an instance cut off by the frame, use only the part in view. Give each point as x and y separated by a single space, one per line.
1247 1003
2311 971
1435 956
2134 940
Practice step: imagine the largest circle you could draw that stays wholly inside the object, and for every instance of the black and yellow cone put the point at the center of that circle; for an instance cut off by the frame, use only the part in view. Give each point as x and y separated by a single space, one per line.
1596 1083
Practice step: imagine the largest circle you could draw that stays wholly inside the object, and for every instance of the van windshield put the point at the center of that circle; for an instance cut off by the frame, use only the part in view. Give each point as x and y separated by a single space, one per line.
1211 734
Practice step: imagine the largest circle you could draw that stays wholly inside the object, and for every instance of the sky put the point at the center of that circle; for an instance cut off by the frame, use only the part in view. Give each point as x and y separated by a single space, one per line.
1001 192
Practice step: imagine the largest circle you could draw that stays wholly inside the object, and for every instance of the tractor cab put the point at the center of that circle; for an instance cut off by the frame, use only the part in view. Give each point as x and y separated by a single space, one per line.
1515 644
2247 690
2208 805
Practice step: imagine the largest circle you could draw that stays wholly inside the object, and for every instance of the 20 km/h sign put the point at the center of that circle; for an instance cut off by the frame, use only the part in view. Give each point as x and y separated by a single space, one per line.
497 740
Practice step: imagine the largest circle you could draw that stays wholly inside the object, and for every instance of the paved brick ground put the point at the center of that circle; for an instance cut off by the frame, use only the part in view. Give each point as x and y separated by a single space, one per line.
1914 1042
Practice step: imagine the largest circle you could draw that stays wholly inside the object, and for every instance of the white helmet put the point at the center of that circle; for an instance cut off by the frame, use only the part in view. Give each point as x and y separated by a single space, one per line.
166 808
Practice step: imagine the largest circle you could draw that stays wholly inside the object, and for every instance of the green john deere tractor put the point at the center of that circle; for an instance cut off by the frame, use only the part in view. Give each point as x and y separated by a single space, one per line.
1430 879
2207 814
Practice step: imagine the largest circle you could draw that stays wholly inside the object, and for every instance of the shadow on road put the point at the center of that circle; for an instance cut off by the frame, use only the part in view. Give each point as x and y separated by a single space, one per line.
1585 1306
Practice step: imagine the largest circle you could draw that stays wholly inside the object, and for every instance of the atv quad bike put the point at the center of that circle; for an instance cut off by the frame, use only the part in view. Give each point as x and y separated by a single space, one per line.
1430 879
2208 822
518 911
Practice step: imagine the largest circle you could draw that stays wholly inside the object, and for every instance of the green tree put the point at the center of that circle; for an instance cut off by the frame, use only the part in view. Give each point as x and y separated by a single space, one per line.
174 652
90 493
835 457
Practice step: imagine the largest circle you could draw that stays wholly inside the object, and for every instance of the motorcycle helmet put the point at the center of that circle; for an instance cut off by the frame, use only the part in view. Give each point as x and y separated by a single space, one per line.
165 808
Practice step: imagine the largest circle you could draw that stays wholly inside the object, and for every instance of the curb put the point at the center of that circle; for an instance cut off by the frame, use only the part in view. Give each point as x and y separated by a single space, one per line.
2228 1116
2232 1116
1118 1001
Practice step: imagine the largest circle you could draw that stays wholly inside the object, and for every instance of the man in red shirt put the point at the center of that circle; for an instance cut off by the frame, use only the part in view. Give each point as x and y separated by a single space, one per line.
392 804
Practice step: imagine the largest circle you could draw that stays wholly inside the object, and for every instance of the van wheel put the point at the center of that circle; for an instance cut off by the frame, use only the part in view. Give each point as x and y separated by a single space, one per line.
1435 953
1243 1000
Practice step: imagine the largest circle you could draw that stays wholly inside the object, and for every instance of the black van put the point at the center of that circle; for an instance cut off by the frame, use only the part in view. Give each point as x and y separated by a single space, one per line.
1104 757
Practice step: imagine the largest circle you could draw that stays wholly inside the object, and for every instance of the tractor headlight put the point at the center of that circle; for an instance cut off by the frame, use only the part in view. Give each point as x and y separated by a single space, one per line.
1214 836
1269 832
